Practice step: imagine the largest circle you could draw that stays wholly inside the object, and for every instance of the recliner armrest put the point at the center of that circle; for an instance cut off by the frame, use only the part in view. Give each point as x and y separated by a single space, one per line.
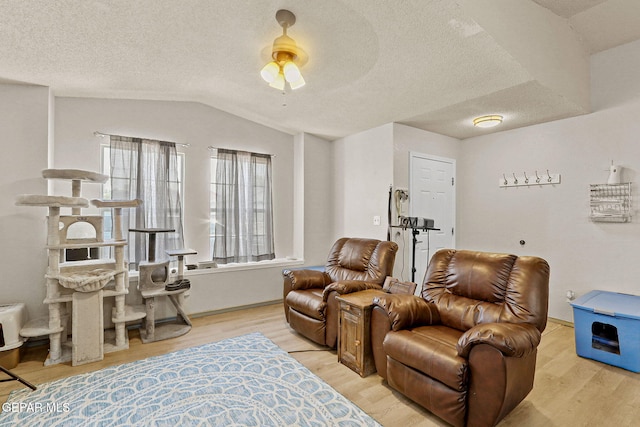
348 287
512 339
307 279
407 311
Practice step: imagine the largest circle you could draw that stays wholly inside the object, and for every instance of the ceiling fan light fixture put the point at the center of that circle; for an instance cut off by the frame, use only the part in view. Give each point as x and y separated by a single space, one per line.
487 121
287 57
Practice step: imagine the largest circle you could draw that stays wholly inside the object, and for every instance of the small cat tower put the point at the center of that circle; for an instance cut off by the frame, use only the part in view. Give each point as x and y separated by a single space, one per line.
80 284
154 282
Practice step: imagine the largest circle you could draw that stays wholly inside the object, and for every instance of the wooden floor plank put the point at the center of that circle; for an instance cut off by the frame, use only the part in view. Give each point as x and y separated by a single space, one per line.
568 390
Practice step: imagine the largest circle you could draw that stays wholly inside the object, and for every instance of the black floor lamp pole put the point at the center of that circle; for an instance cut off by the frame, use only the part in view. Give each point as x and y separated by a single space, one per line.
414 232
14 377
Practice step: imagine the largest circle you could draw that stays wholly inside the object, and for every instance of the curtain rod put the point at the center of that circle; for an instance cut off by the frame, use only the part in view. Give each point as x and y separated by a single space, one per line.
219 148
102 135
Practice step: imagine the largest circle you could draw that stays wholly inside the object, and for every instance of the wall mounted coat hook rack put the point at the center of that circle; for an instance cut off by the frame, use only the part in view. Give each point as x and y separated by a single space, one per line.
524 180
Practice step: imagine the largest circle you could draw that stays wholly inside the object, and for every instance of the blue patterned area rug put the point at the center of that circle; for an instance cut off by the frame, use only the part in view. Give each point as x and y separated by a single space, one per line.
242 381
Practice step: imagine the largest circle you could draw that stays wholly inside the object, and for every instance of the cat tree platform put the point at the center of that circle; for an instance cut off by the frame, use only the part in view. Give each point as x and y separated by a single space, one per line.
51 201
100 203
75 175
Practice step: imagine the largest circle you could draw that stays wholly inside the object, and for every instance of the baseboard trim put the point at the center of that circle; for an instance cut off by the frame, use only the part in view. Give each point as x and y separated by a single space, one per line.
236 308
562 322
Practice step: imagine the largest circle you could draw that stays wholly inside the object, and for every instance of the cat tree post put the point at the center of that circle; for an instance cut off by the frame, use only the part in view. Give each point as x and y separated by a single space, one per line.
120 313
53 325
76 185
119 310
55 321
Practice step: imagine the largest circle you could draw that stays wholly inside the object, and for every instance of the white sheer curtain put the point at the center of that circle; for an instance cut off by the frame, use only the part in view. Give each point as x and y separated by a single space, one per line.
148 170
241 211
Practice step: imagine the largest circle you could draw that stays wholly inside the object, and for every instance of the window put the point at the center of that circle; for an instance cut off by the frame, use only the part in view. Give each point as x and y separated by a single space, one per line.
153 172
241 213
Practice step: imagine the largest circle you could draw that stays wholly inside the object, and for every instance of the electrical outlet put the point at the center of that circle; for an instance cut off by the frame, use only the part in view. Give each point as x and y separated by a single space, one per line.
376 220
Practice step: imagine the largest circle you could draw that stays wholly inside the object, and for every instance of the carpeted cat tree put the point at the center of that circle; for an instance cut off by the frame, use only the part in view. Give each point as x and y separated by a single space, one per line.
80 286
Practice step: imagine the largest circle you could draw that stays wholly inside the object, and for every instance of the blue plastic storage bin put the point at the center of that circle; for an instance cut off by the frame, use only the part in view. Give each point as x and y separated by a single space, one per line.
607 328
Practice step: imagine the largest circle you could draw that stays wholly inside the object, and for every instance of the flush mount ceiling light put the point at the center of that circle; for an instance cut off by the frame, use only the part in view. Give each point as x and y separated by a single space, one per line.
286 55
487 121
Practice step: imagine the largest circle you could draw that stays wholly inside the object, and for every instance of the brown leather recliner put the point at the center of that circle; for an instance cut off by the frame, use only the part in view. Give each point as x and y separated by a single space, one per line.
466 349
310 304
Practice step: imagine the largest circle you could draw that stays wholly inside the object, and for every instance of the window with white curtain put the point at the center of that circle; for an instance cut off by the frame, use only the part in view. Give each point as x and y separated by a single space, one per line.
151 171
241 223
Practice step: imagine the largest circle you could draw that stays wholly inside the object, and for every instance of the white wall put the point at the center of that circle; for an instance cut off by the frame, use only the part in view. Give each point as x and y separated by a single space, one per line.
614 77
24 120
196 124
298 196
318 199
553 220
200 126
365 165
363 172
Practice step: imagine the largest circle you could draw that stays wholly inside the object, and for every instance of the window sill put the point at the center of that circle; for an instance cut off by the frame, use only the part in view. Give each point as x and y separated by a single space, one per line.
279 262
223 268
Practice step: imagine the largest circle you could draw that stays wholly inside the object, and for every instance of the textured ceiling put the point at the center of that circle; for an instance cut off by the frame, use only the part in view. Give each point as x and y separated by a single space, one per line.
432 64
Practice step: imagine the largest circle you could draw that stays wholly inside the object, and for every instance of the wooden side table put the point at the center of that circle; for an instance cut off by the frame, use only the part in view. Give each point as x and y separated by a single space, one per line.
354 338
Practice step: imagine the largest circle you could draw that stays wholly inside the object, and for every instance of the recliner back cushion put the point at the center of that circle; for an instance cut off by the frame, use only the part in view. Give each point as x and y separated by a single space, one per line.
467 270
361 259
477 287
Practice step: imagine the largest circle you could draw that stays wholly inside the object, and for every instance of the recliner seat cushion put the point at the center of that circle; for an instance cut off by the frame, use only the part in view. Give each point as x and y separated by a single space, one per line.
430 350
308 302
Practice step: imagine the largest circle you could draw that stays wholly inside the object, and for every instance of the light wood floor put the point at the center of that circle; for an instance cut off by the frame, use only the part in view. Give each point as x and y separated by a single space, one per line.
568 390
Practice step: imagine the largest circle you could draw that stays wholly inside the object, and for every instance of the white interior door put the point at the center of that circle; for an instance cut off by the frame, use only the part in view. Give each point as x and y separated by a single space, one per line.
432 195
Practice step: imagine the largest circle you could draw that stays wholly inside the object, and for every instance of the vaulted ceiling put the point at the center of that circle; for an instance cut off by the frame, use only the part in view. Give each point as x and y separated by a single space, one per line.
432 64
